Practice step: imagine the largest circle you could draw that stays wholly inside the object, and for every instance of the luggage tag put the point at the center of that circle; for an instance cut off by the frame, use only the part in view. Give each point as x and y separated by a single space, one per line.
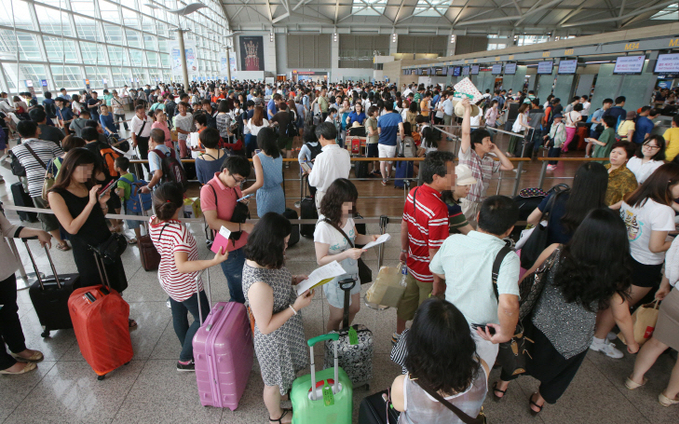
353 336
328 395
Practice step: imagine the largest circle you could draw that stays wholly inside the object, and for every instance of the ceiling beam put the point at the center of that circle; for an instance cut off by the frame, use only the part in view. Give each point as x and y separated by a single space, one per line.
631 14
459 14
301 3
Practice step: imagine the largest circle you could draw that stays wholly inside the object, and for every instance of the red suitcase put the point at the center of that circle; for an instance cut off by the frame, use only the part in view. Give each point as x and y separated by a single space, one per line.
100 321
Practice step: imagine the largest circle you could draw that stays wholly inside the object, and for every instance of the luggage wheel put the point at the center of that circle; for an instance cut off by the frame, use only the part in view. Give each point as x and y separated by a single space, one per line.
101 377
127 363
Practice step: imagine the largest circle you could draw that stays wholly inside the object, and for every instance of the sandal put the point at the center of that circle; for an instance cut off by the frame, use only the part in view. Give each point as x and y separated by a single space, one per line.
631 384
132 323
665 401
532 403
495 389
133 240
280 419
64 247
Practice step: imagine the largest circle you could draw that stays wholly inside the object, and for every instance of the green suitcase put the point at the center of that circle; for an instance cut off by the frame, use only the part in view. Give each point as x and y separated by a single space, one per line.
331 402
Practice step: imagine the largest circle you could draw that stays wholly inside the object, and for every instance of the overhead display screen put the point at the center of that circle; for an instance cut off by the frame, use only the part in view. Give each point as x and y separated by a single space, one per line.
510 68
475 70
629 64
497 69
465 71
568 66
457 71
667 64
546 67
444 70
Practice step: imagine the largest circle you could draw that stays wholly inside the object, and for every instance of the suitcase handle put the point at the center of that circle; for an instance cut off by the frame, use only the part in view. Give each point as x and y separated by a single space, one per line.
311 343
35 266
209 298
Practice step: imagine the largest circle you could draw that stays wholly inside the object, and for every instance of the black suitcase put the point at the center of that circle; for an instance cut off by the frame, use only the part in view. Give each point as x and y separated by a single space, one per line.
292 217
356 359
308 211
361 169
375 409
21 198
50 296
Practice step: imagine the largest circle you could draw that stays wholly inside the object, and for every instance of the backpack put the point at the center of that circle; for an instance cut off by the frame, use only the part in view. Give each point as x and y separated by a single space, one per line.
315 150
50 109
172 169
109 155
291 130
407 148
138 201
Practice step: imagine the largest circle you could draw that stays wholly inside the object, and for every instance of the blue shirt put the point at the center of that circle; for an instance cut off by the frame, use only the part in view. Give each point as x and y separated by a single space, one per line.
107 122
356 117
644 126
617 112
597 115
271 109
389 125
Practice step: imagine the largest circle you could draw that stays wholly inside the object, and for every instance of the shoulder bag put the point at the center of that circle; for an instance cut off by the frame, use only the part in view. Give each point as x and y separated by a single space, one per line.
49 177
365 274
480 419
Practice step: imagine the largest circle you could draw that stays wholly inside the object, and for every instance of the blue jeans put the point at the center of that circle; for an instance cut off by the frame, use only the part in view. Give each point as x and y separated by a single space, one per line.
233 270
180 321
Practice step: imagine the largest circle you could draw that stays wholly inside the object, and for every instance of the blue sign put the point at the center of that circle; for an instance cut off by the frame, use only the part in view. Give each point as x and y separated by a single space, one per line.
43 83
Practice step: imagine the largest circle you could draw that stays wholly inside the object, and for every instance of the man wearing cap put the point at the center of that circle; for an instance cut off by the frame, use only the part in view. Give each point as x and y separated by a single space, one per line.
463 182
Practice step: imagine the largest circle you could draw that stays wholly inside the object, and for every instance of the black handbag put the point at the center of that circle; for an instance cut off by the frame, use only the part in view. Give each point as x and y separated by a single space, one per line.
537 241
16 166
365 274
111 249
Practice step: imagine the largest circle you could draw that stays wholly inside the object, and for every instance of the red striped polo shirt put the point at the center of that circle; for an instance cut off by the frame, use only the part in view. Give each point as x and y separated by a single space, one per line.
175 237
427 229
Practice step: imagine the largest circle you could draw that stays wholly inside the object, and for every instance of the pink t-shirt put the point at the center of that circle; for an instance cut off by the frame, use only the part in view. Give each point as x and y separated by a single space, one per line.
225 204
166 130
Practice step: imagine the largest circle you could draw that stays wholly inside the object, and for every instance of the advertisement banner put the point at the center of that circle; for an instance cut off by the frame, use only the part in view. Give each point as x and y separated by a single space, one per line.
191 58
252 53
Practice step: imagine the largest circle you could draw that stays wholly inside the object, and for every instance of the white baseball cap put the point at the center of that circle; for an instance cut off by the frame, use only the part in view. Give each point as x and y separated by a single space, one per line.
464 176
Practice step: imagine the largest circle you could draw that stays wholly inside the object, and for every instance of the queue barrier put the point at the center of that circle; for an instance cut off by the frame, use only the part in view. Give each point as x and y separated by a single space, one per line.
545 160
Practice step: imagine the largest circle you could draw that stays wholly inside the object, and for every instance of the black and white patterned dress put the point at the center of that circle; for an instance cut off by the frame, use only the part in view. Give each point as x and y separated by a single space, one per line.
282 353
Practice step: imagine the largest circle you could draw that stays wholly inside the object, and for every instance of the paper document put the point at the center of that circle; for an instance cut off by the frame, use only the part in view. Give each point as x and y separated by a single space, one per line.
383 239
321 276
194 140
221 240
466 88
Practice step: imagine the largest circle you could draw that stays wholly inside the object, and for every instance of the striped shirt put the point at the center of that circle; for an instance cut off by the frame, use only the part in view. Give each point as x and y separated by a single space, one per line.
170 237
482 170
35 172
427 229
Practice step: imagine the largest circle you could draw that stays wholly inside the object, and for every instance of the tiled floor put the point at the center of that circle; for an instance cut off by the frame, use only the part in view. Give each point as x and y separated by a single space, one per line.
64 389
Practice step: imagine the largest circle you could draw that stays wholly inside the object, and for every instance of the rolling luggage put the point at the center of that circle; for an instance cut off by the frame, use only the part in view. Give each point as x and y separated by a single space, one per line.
355 345
404 169
223 352
308 211
21 198
361 169
330 401
292 217
376 409
100 320
50 296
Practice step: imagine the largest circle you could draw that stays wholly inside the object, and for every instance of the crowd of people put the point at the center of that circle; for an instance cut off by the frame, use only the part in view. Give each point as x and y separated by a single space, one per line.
609 237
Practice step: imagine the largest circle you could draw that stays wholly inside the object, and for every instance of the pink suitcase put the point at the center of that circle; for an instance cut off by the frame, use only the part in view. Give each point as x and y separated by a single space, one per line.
223 354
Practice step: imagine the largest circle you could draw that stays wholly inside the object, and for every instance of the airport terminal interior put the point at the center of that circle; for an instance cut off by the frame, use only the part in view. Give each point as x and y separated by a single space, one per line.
525 110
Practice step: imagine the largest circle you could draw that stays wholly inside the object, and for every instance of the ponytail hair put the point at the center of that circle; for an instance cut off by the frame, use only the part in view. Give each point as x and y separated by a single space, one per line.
167 199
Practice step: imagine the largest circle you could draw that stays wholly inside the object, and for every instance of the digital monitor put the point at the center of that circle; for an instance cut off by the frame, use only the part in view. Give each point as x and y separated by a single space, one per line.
510 68
568 66
432 71
444 70
546 67
457 71
475 70
465 71
629 64
667 64
497 69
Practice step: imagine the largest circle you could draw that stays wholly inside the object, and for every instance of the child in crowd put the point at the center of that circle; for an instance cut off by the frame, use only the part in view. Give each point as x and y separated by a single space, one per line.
128 189
555 139
179 269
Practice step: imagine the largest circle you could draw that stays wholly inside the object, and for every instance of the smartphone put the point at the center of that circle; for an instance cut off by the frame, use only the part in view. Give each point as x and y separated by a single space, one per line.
108 187
305 166
483 328
244 197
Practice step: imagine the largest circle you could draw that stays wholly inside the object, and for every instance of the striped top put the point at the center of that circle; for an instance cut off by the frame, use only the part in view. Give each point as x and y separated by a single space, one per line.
170 237
35 173
427 229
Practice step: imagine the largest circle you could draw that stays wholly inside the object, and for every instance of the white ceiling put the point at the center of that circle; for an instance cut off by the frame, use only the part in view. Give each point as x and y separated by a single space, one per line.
563 17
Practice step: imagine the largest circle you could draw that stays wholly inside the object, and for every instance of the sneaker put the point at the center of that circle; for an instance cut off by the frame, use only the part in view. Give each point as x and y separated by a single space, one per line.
384 183
551 167
167 303
607 348
586 156
190 367
394 338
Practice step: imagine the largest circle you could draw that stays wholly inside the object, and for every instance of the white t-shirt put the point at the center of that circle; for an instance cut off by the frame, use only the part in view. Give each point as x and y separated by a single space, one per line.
254 129
327 234
643 170
640 221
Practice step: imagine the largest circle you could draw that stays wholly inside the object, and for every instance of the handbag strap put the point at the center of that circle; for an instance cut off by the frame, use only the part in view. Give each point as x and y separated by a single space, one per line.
460 414
31 151
559 189
341 232
497 264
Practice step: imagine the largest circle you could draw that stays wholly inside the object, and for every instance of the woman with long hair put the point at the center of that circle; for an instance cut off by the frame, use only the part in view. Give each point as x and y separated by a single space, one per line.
649 218
338 207
269 287
441 358
255 124
571 207
588 274
648 157
81 210
520 126
268 166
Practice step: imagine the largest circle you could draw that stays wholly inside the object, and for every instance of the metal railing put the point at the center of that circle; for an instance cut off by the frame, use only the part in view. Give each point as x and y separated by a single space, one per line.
545 161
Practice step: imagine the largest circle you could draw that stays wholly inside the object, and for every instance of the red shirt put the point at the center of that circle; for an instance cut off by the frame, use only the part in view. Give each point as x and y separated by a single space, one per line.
225 204
427 229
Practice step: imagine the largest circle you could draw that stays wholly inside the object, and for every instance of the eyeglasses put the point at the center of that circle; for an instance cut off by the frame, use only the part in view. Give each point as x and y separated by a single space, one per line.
650 147
238 180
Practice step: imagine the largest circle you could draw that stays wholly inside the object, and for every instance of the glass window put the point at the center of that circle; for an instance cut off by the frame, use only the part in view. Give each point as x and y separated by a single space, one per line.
118 56
131 18
20 15
96 76
85 7
120 77
67 76
53 21
34 73
28 46
87 29
93 54
137 57
165 60
150 42
153 59
113 34
133 38
433 8
60 49
109 11
368 7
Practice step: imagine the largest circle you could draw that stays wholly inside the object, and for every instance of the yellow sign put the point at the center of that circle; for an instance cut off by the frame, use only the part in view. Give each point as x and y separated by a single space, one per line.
476 60
632 46
545 54
568 52
674 43
466 61
511 57
497 58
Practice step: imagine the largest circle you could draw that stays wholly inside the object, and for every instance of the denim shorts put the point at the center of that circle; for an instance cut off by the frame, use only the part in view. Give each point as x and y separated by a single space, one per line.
335 294
130 223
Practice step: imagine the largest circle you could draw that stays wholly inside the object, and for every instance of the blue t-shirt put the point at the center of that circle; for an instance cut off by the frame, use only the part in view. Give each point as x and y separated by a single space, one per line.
271 108
644 126
389 125
66 113
155 162
617 112
597 115
356 117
